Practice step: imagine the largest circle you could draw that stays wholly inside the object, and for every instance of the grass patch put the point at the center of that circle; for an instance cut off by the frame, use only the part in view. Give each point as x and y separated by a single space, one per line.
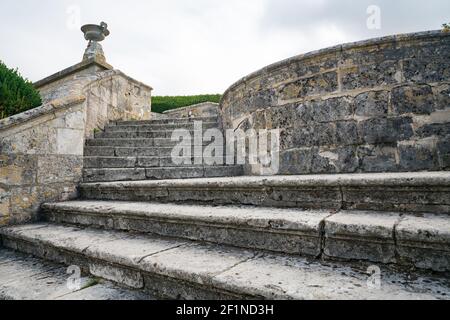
164 103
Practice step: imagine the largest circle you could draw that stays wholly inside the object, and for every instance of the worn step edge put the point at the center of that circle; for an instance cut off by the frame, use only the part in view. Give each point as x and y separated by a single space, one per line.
23 277
104 162
148 142
162 125
159 173
189 270
426 192
169 120
347 235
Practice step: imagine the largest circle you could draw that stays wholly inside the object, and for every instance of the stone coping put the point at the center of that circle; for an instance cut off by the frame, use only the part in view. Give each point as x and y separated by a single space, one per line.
71 70
356 179
408 37
51 107
191 106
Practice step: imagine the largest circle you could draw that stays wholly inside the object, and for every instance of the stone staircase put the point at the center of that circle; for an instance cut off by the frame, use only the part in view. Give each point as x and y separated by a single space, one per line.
139 150
146 224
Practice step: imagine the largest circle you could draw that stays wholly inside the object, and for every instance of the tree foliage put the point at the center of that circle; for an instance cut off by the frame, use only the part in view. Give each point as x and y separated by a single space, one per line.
16 93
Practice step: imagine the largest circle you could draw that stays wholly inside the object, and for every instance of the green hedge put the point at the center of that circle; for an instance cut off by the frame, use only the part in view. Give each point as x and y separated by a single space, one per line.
16 93
164 103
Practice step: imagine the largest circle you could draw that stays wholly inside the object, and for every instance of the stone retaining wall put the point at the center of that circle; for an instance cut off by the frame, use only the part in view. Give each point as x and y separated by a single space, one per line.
376 106
41 150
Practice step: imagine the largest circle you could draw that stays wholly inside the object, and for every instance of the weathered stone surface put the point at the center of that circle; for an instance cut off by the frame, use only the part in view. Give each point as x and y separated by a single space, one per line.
413 192
205 270
284 230
420 155
393 89
378 158
385 130
28 278
372 104
418 100
319 84
361 236
423 241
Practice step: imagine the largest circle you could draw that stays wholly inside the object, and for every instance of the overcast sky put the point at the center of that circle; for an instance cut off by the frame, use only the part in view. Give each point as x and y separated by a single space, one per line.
196 46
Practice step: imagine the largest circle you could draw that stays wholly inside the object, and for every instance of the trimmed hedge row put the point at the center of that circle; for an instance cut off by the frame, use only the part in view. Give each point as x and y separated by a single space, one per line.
164 103
16 93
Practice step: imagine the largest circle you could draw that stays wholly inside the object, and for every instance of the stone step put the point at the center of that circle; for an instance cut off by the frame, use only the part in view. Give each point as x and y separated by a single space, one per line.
146 162
141 143
141 134
105 151
159 127
159 173
427 192
23 277
181 269
167 121
420 241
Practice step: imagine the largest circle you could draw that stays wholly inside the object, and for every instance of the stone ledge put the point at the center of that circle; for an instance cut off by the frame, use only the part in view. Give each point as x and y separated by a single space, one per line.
385 237
72 70
403 192
409 37
182 269
48 108
26 278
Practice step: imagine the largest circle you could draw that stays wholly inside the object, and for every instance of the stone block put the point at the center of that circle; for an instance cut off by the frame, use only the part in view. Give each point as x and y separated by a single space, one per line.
377 158
370 75
333 109
334 160
419 155
426 70
372 104
318 84
385 130
347 133
70 141
59 168
361 236
296 161
443 150
442 94
417 100
18 170
424 241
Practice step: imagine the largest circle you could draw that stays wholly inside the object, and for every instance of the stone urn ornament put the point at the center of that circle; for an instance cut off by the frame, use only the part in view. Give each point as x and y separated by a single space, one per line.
94 34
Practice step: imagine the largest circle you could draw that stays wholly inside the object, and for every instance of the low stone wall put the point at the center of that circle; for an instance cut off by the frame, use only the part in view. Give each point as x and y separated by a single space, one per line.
41 158
41 150
376 106
205 109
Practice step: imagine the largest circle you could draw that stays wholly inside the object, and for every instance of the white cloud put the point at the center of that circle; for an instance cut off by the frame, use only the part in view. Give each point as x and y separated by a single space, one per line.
196 46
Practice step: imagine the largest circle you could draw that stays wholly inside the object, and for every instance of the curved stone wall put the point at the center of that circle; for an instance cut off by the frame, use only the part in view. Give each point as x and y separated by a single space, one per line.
375 106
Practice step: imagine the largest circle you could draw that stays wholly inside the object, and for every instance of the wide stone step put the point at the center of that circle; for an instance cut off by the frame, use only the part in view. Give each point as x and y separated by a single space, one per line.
181 269
167 121
146 162
141 143
109 151
167 134
23 277
415 241
427 192
159 127
159 173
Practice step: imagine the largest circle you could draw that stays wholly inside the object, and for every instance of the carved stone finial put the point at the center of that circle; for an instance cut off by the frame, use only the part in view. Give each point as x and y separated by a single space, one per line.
94 34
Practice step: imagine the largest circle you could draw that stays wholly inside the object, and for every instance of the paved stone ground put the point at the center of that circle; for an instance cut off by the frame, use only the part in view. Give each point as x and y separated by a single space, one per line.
23 277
